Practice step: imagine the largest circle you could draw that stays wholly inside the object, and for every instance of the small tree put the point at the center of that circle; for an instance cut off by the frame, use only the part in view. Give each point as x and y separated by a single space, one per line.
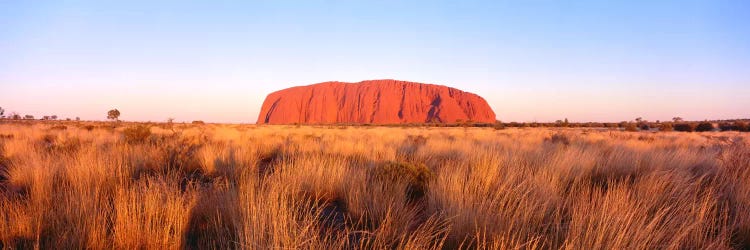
170 124
666 127
53 117
2 111
78 118
631 127
742 126
498 125
685 127
677 119
704 127
728 126
113 115
29 117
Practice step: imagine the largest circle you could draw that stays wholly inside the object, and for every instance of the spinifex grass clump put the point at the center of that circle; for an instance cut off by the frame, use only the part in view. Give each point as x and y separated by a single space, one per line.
137 134
415 175
4 164
559 138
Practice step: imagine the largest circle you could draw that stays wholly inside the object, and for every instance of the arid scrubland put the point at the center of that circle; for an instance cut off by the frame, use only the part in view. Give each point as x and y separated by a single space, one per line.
70 185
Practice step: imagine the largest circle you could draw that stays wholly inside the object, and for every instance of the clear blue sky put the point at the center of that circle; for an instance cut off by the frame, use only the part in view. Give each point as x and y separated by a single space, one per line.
533 60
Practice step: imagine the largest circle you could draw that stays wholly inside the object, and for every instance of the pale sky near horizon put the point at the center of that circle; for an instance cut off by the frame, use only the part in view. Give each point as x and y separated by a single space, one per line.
532 60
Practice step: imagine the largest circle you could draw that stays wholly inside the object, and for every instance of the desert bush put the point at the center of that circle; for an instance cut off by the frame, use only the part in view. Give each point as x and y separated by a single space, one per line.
213 226
198 123
666 127
704 127
137 134
559 138
734 126
415 175
151 214
742 126
59 127
417 140
631 127
726 126
498 126
181 156
411 145
68 145
685 127
4 165
48 139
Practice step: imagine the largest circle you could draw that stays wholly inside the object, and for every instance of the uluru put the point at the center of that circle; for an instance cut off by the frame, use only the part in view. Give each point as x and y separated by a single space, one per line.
373 102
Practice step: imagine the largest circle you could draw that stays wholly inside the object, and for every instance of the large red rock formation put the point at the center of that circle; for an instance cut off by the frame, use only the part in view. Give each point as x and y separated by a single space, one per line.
376 102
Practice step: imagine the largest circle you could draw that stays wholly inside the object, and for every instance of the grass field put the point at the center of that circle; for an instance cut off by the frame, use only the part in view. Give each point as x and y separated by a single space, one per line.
89 185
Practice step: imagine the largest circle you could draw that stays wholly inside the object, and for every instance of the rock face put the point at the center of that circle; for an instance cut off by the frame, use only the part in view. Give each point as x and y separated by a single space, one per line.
375 102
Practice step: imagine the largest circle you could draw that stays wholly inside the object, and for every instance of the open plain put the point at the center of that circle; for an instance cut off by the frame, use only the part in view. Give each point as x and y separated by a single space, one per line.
167 186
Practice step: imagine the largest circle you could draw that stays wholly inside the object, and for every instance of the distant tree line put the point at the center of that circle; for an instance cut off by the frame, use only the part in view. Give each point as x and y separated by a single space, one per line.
113 114
637 124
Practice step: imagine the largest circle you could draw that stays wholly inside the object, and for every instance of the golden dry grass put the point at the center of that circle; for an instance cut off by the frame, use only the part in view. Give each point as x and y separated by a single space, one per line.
260 187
